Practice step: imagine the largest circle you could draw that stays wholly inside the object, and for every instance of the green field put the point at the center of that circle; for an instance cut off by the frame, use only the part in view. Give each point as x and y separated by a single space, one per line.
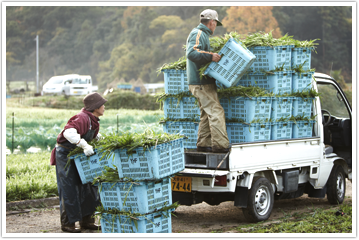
39 127
30 176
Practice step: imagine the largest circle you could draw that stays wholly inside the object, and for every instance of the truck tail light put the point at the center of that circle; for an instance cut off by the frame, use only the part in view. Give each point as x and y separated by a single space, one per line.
220 181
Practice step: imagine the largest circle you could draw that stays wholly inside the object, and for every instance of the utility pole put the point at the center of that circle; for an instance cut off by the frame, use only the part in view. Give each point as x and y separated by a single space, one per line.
37 63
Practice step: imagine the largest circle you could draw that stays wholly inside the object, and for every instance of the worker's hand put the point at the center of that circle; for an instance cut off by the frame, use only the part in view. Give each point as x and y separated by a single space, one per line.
99 137
216 57
88 149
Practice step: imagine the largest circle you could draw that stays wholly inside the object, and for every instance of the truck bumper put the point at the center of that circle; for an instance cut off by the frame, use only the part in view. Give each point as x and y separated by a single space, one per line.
194 197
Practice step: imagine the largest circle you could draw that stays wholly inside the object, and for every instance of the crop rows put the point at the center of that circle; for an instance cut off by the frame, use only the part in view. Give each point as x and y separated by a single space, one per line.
39 128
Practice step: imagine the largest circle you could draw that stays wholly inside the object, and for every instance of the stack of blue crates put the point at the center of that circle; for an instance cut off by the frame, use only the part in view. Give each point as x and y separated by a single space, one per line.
269 112
184 113
151 169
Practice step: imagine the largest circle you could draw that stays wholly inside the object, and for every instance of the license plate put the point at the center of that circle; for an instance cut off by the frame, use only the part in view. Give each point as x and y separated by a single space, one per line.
75 91
181 184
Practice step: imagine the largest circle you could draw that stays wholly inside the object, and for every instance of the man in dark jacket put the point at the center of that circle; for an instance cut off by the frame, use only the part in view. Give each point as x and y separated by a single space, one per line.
78 201
212 133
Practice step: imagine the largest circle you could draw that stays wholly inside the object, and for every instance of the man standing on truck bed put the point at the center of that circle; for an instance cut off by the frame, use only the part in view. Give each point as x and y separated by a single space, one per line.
212 133
78 201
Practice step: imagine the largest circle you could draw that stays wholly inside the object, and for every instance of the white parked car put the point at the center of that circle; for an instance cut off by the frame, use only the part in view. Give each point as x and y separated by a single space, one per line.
71 84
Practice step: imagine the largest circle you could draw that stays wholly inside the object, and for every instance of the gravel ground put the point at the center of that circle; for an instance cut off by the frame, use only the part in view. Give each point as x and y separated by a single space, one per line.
199 218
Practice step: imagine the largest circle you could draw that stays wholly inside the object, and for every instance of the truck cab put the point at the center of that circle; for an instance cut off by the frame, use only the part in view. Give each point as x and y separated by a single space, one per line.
77 85
255 174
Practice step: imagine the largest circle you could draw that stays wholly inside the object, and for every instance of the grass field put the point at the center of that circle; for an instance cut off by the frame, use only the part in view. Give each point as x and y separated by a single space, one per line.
30 176
319 221
39 127
48 117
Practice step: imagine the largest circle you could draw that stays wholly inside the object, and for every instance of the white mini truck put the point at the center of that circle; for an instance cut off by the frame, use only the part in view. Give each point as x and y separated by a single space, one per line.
254 174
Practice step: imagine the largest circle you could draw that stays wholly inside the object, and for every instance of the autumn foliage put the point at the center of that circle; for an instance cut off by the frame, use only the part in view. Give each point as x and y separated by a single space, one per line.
251 19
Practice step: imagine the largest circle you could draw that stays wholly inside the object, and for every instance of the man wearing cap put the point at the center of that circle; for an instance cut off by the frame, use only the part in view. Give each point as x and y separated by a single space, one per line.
212 133
78 201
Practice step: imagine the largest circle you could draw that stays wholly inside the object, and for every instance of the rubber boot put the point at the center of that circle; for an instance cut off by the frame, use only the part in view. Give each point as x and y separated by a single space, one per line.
66 226
88 222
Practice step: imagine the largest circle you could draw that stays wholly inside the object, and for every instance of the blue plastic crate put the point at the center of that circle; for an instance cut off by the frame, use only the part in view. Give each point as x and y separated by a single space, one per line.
238 132
302 129
282 107
277 82
248 109
268 58
188 129
236 60
302 107
159 222
301 55
281 130
185 108
190 108
175 81
140 197
156 162
225 103
302 81
91 167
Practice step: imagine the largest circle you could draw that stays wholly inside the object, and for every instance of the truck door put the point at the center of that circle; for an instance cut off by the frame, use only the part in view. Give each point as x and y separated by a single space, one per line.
337 119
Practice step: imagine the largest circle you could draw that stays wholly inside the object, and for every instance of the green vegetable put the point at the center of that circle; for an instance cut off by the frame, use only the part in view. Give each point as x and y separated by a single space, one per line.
180 64
252 40
128 141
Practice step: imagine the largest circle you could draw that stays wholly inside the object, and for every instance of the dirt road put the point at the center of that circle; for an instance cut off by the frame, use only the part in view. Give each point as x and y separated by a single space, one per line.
199 218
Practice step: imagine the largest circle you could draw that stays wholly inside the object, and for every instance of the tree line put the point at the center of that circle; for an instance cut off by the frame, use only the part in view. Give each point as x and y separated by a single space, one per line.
132 42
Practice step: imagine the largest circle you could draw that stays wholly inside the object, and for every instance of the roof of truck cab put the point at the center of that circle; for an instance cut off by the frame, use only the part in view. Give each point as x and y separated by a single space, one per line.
322 75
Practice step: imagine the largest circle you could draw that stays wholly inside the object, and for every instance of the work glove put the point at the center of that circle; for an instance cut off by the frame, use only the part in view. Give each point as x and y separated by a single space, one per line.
99 137
88 149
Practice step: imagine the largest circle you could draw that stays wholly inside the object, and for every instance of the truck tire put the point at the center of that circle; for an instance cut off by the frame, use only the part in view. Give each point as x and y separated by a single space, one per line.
260 200
336 185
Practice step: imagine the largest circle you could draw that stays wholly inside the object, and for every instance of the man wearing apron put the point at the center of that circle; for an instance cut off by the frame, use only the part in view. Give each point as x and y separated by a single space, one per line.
78 201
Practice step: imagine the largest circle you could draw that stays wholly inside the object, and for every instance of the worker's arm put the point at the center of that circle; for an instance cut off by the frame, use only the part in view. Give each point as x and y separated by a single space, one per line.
194 49
73 137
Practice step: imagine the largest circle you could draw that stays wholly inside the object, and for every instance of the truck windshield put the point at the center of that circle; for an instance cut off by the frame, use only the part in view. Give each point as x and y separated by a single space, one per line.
55 80
331 100
79 81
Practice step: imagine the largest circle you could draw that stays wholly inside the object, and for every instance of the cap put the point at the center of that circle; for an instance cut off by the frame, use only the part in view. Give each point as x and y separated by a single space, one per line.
210 14
93 101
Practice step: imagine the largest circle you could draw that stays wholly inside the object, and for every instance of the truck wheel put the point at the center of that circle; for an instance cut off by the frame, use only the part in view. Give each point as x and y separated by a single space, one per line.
260 200
336 185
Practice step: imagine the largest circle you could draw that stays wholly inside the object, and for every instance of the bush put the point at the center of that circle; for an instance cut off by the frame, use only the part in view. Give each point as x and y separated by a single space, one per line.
131 100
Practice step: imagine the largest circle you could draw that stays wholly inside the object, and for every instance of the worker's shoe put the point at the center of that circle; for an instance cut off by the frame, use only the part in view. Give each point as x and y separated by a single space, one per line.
70 228
204 149
220 150
88 222
91 226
